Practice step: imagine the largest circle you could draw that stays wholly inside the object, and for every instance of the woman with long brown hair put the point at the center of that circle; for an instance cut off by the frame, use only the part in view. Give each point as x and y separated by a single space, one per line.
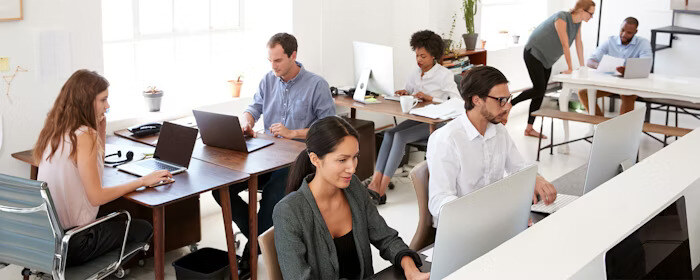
70 152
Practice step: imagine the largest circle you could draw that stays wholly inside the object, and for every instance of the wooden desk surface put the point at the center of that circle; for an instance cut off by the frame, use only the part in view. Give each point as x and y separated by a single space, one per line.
200 177
280 154
388 107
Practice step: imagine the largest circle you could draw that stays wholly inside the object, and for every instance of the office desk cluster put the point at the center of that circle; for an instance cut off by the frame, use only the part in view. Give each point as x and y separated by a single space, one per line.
211 169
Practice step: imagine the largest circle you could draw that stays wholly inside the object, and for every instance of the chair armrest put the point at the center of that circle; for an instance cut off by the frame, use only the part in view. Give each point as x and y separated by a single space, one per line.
70 233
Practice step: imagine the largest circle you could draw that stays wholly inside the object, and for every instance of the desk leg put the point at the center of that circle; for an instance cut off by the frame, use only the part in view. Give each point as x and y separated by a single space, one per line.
33 172
253 224
564 98
433 127
230 239
159 242
353 113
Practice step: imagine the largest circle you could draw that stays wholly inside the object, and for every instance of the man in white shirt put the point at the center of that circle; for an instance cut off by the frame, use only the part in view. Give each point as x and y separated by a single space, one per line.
474 149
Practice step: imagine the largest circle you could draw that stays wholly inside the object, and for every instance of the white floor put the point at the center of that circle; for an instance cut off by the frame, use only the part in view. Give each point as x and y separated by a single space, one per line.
400 210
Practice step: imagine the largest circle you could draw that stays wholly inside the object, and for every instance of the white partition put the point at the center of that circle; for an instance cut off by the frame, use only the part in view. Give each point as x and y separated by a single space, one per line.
572 242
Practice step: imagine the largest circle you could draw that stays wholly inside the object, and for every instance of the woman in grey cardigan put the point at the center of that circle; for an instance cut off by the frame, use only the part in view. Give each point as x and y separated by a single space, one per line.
324 227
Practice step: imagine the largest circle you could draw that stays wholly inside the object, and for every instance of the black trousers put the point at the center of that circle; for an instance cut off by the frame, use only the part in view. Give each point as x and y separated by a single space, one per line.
272 184
539 77
105 237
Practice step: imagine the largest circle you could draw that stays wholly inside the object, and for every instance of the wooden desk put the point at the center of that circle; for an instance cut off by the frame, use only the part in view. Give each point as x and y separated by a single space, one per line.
388 107
200 177
276 156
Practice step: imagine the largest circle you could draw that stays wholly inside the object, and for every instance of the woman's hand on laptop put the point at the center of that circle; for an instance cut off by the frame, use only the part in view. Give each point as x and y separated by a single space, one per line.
156 177
401 92
621 69
545 190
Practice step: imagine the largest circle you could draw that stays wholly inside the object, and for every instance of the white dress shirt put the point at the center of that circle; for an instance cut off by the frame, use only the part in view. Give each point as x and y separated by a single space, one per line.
438 82
461 160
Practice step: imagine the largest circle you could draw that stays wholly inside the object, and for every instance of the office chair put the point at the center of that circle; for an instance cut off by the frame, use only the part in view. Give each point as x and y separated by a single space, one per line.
269 253
32 236
425 232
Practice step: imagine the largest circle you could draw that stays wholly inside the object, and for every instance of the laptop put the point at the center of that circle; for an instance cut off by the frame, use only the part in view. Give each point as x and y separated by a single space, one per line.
636 68
224 131
172 155
474 224
614 149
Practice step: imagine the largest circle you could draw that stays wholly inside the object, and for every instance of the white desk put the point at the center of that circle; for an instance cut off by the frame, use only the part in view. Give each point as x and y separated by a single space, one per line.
572 242
655 86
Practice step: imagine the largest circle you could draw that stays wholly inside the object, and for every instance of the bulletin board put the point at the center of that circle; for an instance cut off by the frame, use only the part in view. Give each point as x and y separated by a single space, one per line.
11 10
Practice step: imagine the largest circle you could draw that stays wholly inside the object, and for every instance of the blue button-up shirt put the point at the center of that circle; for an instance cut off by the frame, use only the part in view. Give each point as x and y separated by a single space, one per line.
637 48
296 104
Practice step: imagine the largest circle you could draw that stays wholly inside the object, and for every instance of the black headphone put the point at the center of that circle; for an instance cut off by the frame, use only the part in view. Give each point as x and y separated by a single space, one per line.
129 157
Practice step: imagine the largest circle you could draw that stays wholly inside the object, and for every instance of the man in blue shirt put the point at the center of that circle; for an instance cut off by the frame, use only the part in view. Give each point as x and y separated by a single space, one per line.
291 99
624 46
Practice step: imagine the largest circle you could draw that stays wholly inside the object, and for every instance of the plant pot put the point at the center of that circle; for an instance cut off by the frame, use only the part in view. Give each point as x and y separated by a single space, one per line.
516 39
448 44
236 88
470 40
153 100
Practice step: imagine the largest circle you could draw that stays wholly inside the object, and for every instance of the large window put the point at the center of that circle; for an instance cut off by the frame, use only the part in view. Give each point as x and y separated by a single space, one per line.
187 48
502 19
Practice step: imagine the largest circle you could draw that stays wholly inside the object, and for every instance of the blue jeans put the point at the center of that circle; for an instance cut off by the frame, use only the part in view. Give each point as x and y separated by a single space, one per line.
394 145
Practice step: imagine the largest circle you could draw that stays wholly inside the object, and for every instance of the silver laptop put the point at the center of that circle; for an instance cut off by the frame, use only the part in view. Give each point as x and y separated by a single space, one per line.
636 68
224 131
173 154
474 224
615 145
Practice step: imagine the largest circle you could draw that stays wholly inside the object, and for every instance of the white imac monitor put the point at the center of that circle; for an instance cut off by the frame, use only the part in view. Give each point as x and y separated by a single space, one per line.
374 69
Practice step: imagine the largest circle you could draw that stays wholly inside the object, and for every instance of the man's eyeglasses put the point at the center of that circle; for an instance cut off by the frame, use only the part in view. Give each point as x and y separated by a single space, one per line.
589 13
501 100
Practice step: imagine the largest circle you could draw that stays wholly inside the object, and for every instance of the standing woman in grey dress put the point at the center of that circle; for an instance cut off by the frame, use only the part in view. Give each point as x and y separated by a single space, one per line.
546 45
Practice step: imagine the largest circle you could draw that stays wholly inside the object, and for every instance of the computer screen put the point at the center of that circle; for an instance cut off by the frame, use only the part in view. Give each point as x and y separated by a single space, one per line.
380 60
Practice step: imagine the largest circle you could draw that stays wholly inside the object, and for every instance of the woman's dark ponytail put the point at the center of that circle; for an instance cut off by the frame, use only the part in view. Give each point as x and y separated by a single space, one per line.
301 168
323 136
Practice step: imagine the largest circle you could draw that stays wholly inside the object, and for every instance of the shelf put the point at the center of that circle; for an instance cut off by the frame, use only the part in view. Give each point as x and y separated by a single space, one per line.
677 30
662 47
462 53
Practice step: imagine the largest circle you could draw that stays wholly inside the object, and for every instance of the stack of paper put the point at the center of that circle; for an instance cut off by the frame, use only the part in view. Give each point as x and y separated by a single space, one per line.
447 110
609 64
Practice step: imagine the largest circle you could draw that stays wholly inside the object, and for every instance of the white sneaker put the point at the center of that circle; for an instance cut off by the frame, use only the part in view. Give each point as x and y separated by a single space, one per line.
563 149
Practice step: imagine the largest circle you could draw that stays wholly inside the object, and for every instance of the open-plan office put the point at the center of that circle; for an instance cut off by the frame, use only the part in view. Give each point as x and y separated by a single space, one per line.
312 139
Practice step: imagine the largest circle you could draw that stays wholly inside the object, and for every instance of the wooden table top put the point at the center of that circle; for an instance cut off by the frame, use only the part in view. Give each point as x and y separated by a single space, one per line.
388 107
278 155
200 177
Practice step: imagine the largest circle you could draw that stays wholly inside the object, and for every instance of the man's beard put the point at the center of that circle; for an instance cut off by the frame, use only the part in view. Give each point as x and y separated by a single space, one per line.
490 117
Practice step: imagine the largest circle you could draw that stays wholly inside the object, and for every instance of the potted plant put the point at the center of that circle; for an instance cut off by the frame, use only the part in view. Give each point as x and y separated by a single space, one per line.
236 86
153 96
469 8
448 40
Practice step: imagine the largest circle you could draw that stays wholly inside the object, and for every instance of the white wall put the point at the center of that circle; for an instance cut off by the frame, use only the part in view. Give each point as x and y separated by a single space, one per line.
33 93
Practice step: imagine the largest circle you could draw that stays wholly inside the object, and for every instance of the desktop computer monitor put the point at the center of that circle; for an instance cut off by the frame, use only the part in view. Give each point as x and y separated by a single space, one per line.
374 69
474 224
615 145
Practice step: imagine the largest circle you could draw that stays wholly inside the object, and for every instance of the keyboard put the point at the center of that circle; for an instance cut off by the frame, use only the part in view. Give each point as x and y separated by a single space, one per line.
157 165
561 201
394 98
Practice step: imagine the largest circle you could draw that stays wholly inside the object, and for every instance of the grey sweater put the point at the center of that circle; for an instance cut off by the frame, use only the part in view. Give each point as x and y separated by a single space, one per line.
305 248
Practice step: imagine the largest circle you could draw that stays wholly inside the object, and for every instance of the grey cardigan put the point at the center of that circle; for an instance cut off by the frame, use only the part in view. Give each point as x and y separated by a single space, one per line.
305 248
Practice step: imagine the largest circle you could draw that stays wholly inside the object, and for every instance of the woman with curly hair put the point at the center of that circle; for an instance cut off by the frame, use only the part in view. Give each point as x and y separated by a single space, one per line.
429 82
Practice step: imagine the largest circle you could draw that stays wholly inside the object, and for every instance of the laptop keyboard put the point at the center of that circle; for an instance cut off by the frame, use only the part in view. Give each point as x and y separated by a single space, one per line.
561 201
157 165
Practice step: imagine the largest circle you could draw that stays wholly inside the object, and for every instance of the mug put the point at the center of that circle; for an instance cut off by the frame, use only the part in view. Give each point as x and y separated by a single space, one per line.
408 102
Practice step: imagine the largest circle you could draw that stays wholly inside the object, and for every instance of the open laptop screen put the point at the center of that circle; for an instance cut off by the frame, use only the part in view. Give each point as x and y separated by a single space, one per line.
175 144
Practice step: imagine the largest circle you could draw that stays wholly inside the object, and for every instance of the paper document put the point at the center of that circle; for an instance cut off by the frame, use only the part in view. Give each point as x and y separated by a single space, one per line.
428 255
609 63
447 110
